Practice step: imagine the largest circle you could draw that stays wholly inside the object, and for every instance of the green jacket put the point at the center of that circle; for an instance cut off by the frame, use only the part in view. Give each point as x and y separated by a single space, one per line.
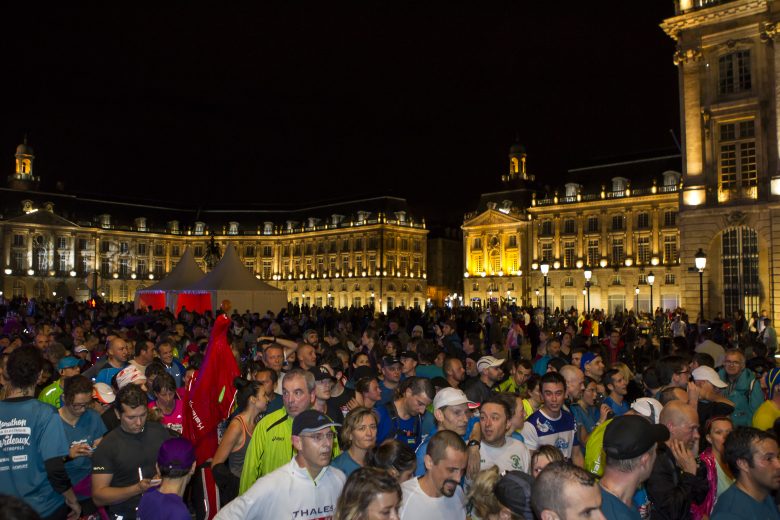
270 448
51 394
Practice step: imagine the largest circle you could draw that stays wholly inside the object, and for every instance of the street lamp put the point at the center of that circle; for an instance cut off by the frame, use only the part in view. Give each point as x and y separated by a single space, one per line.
650 281
588 275
584 303
701 263
636 305
545 268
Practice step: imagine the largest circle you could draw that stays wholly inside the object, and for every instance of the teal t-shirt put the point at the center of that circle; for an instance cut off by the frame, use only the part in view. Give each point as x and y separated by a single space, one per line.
735 504
31 433
614 509
88 428
345 463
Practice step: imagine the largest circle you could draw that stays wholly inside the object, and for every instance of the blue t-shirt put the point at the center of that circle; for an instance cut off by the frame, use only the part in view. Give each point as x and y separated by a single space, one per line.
539 429
164 506
88 428
429 371
617 409
30 433
735 504
614 509
587 417
387 393
105 375
345 463
408 431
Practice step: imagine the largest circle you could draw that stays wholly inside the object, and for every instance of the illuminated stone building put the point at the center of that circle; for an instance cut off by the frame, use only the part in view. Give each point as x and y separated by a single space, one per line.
619 230
729 71
369 251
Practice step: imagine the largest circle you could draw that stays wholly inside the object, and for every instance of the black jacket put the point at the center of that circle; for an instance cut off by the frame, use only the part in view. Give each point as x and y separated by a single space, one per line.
671 490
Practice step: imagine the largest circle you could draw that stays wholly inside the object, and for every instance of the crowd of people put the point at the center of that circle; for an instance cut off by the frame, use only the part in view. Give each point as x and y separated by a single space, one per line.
509 412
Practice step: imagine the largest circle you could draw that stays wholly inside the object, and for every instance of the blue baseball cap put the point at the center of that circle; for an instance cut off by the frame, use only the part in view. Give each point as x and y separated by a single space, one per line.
67 362
587 357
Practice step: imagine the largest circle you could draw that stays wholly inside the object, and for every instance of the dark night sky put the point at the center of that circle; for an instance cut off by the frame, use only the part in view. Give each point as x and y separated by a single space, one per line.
269 104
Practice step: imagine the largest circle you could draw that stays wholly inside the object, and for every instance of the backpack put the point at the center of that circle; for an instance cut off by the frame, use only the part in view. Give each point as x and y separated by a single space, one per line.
395 423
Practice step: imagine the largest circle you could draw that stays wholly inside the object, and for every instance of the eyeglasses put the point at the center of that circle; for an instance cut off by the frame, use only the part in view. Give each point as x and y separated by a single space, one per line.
79 406
681 372
727 362
319 437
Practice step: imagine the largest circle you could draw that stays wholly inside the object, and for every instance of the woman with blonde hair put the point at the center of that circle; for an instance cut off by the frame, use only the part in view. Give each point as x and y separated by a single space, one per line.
358 438
485 497
369 494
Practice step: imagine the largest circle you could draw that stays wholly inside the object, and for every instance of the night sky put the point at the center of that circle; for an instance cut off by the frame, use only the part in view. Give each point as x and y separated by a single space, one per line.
309 102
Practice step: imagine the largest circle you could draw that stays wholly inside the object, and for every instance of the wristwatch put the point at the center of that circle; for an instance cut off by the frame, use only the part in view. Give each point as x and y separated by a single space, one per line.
473 442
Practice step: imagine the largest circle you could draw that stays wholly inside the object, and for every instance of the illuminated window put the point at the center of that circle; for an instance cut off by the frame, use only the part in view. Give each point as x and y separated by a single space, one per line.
19 260
568 254
734 73
741 287
62 242
175 251
643 249
670 279
141 267
124 267
63 263
737 166
593 252
670 249
617 251
123 292
269 251
476 262
345 264
266 269
158 268
359 263
105 267
670 217
495 261
546 252
512 263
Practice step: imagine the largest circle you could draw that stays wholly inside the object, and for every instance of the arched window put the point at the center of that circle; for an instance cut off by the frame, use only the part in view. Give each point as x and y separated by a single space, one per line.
740 270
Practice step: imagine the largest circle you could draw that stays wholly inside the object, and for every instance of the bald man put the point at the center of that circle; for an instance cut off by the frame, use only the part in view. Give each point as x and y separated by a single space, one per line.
575 382
677 479
117 356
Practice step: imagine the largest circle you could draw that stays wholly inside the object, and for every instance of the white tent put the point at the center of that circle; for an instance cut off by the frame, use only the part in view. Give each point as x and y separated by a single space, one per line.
231 280
162 294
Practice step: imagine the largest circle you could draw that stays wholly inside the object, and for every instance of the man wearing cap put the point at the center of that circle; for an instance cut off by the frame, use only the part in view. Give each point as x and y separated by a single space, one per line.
323 384
490 374
450 409
711 402
129 375
269 448
752 456
743 388
513 492
307 487
175 465
678 479
497 449
592 366
52 394
630 448
115 361
551 424
408 363
769 411
123 465
81 353
391 372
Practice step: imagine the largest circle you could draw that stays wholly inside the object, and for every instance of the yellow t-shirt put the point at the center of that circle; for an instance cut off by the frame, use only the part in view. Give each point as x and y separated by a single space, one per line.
766 415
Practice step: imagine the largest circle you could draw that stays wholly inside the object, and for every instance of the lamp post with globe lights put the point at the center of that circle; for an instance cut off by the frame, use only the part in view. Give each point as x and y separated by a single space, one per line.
545 268
588 275
701 263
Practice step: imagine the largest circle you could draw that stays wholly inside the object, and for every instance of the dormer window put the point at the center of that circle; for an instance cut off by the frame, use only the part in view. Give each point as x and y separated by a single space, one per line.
268 228
572 189
140 223
362 216
619 184
232 228
671 178
105 221
173 226
200 228
290 225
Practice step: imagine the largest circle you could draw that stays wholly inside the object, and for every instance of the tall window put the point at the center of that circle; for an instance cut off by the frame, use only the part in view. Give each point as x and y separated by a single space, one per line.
617 222
476 262
159 249
670 217
546 252
141 267
643 221
670 249
740 270
158 268
547 228
495 261
738 173
568 254
141 249
19 241
476 244
512 241
593 252
593 224
124 268
19 260
734 72
266 269
643 249
569 226
617 251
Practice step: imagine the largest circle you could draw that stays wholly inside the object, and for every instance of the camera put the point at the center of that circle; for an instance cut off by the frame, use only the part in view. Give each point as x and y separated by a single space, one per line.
599 400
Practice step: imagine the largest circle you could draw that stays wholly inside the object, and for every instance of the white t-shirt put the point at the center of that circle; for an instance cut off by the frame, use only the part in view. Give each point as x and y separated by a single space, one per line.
513 455
289 492
417 505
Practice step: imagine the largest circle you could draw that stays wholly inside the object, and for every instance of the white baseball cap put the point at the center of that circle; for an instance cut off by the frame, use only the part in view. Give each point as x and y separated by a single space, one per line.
486 362
705 373
451 397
